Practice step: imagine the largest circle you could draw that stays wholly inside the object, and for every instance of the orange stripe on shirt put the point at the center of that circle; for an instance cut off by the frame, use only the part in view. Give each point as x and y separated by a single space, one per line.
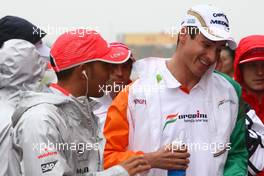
116 131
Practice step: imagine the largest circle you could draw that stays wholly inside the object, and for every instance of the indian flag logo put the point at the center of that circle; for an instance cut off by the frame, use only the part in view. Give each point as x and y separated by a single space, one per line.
170 119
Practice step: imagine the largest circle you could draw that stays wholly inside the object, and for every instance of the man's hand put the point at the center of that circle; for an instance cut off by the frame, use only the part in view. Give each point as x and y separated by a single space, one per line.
135 165
169 158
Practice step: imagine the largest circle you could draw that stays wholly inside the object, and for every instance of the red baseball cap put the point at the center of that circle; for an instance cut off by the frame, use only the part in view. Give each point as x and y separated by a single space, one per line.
122 45
256 54
81 46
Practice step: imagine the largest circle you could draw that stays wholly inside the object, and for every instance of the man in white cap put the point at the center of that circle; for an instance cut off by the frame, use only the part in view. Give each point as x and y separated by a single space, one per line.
187 101
55 131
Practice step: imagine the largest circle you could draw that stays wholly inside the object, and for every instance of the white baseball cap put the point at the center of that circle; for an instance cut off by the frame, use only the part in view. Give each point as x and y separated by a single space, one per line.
211 22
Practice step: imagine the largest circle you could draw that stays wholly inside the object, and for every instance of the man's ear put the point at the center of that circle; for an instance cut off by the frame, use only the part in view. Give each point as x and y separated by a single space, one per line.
183 35
82 70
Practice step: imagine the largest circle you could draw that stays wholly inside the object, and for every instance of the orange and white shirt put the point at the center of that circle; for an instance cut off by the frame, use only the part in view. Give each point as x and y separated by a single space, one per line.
155 109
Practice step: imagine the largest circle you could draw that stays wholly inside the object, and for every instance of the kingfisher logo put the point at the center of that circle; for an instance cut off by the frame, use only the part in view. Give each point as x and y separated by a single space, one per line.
198 117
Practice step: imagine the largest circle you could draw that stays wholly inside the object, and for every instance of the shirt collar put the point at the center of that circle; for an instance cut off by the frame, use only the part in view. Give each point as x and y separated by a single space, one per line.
94 104
59 89
171 82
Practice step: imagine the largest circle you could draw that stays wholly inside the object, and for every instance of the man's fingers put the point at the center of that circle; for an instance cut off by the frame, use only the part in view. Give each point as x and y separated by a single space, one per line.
181 161
136 165
141 168
134 158
176 155
180 155
172 148
138 162
176 166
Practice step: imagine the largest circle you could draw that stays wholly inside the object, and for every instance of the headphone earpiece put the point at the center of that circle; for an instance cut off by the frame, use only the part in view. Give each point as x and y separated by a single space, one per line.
84 73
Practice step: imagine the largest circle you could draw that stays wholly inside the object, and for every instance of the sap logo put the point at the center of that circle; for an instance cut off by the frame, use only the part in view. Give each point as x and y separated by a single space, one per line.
82 170
140 101
48 166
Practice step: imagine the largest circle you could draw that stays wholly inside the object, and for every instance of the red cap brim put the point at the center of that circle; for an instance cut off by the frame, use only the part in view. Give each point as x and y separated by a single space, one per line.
116 55
251 60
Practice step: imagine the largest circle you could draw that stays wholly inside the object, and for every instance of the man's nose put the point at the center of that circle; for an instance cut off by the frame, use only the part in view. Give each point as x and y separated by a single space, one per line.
260 68
118 71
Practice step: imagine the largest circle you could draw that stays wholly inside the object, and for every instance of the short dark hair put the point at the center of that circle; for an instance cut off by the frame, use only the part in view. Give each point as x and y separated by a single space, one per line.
65 74
192 31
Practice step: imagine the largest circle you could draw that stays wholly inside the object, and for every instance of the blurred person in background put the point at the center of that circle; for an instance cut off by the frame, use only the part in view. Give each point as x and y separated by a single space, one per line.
249 72
119 78
226 61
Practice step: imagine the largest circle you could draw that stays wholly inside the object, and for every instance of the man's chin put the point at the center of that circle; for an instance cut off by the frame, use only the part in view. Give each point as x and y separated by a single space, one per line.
97 95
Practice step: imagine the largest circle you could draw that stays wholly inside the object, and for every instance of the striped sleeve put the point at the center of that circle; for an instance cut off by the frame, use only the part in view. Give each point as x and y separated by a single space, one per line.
116 131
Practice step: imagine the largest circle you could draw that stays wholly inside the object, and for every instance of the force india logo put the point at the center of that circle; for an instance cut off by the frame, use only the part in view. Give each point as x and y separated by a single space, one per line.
198 117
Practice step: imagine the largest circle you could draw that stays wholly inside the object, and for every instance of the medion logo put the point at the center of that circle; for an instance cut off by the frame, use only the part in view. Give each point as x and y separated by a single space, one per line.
220 22
198 117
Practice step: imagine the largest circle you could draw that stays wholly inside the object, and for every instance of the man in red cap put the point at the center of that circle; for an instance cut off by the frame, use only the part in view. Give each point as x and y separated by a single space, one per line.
55 131
249 72
119 78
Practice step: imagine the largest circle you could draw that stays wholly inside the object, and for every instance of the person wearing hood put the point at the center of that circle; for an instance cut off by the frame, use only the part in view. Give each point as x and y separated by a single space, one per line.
183 99
22 68
249 72
55 130
13 27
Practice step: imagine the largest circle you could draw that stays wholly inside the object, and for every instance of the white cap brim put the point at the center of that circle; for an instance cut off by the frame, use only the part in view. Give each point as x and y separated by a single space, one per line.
225 37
